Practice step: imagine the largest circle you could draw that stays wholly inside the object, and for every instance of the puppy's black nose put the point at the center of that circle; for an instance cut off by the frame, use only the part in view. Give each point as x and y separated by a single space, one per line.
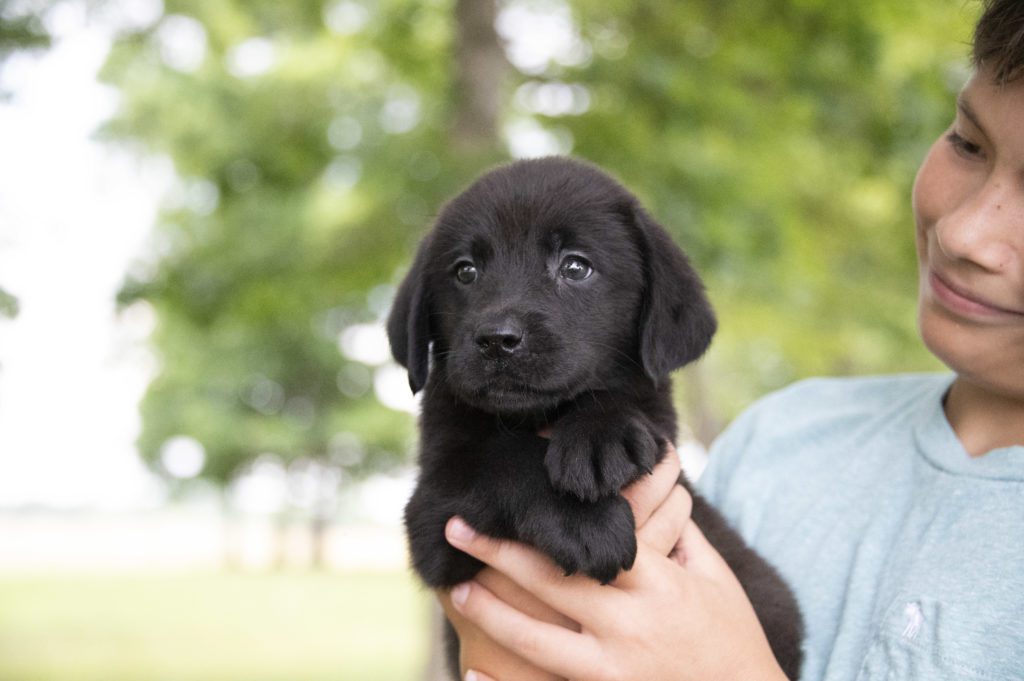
499 340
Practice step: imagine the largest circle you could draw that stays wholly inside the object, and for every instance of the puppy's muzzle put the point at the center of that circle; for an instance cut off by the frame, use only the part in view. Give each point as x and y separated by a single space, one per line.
499 339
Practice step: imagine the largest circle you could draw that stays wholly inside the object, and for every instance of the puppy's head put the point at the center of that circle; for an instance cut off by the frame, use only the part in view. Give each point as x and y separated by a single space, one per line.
543 280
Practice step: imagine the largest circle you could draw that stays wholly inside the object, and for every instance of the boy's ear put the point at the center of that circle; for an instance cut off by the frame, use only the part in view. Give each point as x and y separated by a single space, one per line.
409 322
676 320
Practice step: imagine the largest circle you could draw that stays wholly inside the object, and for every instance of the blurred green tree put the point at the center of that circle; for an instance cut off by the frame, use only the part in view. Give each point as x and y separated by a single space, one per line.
778 141
21 26
8 304
314 140
20 29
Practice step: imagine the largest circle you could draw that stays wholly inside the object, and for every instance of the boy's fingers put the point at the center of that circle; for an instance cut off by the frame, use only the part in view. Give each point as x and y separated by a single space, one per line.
473 675
548 646
577 596
700 555
657 539
503 587
665 526
647 493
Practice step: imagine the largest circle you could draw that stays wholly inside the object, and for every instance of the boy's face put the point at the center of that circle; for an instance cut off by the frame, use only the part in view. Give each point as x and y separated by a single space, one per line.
969 209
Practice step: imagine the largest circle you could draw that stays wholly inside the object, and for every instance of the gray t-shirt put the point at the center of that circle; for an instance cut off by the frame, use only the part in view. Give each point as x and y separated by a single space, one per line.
906 555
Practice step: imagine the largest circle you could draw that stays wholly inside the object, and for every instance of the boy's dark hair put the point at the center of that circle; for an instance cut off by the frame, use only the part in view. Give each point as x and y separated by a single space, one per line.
999 40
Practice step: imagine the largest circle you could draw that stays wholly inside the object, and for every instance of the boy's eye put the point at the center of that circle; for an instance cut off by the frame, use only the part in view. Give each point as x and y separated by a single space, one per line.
963 146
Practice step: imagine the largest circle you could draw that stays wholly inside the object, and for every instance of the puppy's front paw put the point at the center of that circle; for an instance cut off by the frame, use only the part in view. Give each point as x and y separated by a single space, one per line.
598 540
591 458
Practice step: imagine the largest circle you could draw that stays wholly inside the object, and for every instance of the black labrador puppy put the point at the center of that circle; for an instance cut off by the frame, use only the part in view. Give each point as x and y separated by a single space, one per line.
545 295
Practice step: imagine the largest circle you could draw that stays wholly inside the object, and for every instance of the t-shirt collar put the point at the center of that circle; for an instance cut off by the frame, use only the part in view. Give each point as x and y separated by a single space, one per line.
939 444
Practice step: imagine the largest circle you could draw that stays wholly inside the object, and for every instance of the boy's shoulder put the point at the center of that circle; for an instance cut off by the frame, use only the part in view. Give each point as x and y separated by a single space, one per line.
847 399
816 421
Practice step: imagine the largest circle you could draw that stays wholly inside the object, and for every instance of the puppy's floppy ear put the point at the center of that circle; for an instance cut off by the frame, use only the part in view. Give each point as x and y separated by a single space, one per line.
409 322
676 322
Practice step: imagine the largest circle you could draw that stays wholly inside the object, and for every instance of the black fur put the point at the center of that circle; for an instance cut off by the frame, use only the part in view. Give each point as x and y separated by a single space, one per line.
523 341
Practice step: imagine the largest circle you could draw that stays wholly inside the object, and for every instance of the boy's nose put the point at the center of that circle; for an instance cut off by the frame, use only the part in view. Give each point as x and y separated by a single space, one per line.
987 228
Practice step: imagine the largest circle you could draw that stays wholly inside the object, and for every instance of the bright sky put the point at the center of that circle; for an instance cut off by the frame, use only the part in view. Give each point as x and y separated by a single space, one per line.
73 216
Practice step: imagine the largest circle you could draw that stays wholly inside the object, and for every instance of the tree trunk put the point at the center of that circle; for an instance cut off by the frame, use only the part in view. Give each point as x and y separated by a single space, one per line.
318 526
480 70
704 422
437 664
279 547
231 559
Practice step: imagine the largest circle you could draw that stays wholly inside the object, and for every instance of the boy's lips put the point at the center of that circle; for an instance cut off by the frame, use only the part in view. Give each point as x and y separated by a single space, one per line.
961 300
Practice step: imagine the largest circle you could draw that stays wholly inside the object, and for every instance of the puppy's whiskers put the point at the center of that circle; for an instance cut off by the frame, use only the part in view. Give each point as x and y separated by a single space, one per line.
618 354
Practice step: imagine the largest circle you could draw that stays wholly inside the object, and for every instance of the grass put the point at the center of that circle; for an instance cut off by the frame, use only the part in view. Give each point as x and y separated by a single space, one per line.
212 627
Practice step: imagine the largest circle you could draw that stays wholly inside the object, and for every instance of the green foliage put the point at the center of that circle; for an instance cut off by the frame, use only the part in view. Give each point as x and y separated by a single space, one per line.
272 252
8 304
776 139
18 31
212 627
21 27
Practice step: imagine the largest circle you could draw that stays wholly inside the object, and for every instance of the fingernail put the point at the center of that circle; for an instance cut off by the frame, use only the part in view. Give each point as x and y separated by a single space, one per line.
471 676
459 532
460 593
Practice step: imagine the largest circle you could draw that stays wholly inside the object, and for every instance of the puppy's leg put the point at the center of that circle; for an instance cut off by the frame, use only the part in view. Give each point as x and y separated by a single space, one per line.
437 562
594 537
512 498
597 448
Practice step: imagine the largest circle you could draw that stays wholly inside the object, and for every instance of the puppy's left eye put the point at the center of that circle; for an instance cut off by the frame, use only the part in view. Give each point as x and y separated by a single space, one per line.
575 268
466 272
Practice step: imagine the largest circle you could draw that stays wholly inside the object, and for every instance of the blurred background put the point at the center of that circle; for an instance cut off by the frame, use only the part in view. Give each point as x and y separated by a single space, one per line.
205 206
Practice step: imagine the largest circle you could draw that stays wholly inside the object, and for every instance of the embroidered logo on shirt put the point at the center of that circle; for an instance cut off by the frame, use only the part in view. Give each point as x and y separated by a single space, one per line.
914 618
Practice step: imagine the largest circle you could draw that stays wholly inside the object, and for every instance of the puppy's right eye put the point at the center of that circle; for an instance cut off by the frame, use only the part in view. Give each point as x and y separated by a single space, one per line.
575 268
465 272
